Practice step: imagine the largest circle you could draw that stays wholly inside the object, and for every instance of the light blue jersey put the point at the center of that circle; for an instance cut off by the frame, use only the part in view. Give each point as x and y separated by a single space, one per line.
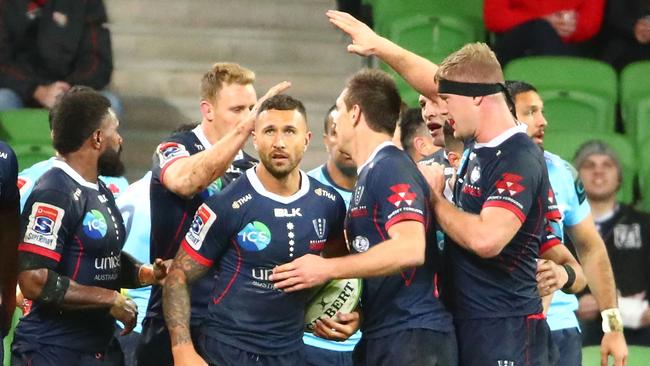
574 207
28 178
322 176
134 206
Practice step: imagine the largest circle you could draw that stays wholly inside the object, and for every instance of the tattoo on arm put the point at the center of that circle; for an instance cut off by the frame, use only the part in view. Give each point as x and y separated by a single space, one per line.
176 297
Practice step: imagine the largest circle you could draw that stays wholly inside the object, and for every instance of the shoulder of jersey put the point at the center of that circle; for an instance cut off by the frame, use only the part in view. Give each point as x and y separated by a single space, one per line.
324 191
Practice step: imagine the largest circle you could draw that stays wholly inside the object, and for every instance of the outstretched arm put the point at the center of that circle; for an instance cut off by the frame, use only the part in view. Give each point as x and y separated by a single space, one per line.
176 307
416 70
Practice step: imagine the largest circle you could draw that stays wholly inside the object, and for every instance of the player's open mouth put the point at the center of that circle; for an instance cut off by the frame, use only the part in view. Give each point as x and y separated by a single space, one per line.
433 126
279 156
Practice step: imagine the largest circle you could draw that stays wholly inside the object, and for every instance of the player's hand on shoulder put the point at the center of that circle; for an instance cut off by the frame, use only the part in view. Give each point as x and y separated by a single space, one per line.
185 355
550 277
125 310
305 272
364 40
434 174
339 328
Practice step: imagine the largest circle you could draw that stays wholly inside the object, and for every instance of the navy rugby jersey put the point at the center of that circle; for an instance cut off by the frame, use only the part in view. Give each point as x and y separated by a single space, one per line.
9 196
390 189
8 175
75 229
245 232
507 172
171 215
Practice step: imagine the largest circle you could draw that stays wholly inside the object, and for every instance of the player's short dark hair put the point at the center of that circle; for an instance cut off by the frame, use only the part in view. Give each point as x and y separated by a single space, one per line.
327 122
376 94
411 124
516 87
77 115
74 89
283 102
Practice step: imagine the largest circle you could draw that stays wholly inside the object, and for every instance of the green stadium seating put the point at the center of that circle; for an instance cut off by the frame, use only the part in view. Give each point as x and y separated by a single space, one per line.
635 100
431 29
30 154
638 356
25 126
566 143
579 94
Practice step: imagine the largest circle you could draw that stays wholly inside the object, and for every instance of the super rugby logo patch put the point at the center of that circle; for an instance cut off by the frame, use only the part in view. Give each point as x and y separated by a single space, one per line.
203 220
169 151
44 223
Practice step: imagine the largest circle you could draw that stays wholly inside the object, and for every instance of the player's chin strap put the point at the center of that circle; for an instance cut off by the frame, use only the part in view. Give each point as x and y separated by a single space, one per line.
476 90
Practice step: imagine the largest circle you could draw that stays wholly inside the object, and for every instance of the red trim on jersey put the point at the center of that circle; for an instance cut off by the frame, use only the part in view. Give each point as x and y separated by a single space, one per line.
81 252
436 293
548 245
234 277
508 206
198 258
170 253
167 165
409 280
375 221
538 316
404 216
35 249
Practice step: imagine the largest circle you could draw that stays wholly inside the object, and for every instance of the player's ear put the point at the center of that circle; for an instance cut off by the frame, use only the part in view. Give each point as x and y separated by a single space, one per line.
97 137
206 110
355 114
307 139
254 140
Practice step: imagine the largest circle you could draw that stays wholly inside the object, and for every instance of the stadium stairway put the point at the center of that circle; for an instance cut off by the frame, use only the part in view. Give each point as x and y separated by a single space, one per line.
162 47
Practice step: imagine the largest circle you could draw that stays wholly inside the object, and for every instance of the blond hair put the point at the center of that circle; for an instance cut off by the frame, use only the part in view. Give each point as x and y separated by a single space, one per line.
224 73
475 62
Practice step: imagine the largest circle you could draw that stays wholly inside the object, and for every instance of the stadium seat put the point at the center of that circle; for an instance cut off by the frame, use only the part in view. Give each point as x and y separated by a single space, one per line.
635 100
579 94
566 143
30 154
25 126
638 356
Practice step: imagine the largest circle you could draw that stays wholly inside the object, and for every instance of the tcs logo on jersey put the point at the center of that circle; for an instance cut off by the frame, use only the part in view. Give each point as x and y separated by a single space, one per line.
255 236
203 220
95 224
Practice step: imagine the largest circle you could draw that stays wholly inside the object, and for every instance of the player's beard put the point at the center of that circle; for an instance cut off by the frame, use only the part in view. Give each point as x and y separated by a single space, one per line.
280 172
110 164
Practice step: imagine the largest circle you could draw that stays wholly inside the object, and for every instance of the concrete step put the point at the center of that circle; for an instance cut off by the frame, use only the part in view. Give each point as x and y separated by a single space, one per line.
248 46
265 14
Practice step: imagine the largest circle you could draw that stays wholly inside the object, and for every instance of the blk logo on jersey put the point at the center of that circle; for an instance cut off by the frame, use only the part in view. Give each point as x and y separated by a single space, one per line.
44 223
95 225
203 220
170 151
254 237
510 184
401 194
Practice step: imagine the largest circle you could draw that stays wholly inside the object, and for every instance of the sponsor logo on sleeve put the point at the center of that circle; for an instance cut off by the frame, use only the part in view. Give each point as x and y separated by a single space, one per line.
240 201
254 237
169 151
401 194
509 184
44 223
203 220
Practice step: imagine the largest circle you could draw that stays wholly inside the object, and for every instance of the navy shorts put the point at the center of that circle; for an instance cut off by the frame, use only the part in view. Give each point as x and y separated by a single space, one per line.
222 354
410 347
154 345
315 356
569 346
43 355
515 341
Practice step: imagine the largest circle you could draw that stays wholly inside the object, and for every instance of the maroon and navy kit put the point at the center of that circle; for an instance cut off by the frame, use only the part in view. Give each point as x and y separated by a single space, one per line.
501 292
171 215
389 190
74 228
9 195
245 231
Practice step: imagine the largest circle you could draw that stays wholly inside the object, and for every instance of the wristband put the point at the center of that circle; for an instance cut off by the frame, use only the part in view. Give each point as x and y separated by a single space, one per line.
612 320
572 277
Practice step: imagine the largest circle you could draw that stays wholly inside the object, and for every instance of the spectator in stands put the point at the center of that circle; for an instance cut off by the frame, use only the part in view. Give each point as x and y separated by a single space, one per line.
626 233
625 36
47 46
533 27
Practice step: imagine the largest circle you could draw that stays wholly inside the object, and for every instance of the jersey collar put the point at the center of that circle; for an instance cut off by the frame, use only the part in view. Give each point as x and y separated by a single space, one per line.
67 169
259 188
502 137
200 134
374 153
